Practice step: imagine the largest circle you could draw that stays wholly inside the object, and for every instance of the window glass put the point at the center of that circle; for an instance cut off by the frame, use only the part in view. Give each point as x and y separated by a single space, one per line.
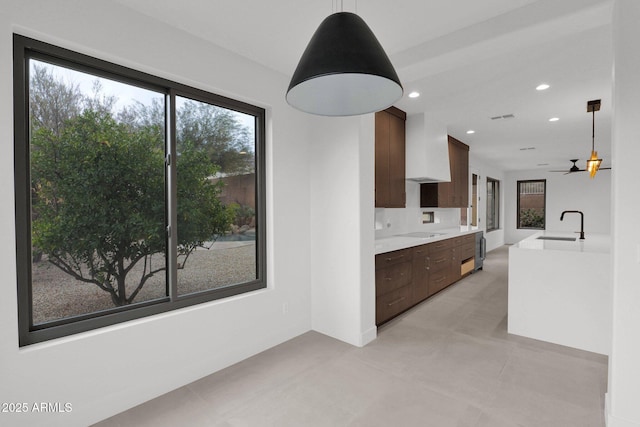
531 204
493 204
216 248
97 193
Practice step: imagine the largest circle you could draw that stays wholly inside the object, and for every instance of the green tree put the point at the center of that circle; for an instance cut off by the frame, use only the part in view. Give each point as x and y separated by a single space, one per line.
204 127
101 205
52 101
217 132
532 218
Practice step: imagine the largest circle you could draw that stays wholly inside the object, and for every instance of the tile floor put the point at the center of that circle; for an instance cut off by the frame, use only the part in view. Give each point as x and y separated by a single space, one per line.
447 362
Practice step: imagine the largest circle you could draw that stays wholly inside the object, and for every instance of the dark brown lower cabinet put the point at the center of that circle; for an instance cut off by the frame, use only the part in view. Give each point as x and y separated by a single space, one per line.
420 285
391 304
394 277
407 277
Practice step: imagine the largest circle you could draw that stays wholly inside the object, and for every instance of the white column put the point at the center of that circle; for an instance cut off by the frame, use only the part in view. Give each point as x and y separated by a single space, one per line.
623 400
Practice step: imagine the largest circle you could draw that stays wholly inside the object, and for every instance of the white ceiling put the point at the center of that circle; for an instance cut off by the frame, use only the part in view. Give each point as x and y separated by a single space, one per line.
471 60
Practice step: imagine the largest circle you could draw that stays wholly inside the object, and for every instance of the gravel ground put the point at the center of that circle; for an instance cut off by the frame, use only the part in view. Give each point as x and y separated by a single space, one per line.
57 295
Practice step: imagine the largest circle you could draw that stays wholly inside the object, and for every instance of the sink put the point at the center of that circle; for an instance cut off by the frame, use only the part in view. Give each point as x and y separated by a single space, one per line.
422 234
567 239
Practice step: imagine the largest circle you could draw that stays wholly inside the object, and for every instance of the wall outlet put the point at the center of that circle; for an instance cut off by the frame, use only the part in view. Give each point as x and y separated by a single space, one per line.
285 308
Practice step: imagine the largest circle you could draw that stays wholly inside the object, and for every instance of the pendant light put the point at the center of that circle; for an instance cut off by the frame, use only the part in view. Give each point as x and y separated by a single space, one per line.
593 164
343 71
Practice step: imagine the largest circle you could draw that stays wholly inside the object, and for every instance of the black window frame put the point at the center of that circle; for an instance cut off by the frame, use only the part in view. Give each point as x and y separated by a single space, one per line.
25 48
496 201
544 208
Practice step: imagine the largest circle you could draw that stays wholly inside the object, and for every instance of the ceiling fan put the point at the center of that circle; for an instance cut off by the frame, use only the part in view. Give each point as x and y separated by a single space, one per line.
574 168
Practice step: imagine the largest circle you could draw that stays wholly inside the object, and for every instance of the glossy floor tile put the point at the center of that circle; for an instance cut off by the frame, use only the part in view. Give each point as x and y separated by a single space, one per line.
448 362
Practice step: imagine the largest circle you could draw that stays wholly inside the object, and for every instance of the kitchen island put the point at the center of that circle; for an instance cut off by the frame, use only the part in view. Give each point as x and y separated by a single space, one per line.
560 290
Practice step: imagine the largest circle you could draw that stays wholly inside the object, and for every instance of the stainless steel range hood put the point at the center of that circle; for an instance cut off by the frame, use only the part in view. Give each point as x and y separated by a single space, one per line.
427 150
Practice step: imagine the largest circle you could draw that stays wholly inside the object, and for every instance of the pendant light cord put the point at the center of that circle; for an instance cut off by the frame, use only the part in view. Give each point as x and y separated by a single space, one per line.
334 6
593 131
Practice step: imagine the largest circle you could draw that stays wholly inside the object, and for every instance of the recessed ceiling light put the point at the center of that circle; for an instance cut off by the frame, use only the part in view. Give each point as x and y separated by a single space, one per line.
543 164
554 119
543 86
414 94
470 131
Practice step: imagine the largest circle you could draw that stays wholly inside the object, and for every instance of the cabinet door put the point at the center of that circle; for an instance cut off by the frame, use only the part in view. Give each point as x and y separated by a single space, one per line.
382 159
390 158
464 177
420 287
393 277
454 194
455 274
397 162
459 161
438 281
392 304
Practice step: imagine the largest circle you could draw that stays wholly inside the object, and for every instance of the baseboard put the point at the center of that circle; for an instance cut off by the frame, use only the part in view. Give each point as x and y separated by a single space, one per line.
368 336
612 421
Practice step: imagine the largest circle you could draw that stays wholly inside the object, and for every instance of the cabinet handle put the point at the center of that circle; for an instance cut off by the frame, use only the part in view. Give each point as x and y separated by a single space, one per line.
392 259
438 261
396 301
440 279
388 278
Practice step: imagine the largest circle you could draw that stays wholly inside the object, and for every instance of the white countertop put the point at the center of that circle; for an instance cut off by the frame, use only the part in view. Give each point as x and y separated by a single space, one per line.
593 243
403 241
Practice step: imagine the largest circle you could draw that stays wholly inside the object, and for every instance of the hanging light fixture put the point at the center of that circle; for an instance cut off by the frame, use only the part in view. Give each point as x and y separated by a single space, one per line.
593 164
343 71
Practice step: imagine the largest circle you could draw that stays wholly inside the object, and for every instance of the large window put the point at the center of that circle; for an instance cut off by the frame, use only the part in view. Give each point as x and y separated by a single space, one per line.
531 204
493 204
134 195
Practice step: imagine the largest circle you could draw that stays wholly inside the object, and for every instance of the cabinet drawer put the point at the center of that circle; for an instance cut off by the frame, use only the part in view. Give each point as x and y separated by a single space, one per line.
463 240
395 257
392 303
393 277
438 261
438 281
469 238
440 245
467 250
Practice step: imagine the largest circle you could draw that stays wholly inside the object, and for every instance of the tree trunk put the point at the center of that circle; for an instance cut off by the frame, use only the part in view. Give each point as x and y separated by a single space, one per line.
122 290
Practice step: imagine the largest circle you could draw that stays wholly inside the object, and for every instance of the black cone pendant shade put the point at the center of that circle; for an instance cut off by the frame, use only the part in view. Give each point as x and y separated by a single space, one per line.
343 71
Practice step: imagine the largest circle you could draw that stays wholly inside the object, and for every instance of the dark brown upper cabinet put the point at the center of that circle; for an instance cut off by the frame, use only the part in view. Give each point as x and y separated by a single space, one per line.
390 158
454 194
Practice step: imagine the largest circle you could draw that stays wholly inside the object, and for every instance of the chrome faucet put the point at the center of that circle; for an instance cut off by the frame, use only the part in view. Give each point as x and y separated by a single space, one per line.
581 221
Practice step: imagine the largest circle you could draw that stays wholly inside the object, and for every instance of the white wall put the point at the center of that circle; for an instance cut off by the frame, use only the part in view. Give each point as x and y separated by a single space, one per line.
342 228
111 369
575 191
624 363
390 221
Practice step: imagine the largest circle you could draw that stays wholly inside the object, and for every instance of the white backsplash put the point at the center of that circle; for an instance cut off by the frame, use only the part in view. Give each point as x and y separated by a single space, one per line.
391 221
